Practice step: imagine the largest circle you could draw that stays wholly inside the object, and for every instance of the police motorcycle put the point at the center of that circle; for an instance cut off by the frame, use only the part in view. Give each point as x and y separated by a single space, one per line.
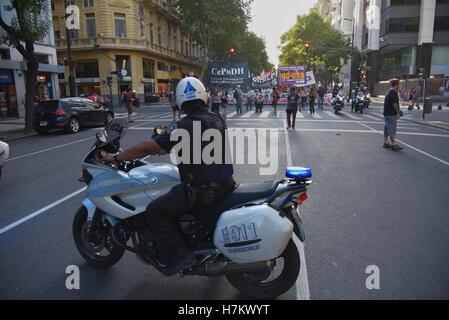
4 155
367 100
358 103
338 103
247 237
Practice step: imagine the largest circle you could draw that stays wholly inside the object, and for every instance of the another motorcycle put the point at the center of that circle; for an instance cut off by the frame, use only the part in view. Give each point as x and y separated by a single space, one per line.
4 155
338 102
367 100
359 103
247 237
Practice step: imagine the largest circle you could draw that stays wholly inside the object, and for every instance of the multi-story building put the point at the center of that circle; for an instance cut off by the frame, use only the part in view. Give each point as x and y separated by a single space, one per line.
402 36
13 68
324 8
343 20
143 37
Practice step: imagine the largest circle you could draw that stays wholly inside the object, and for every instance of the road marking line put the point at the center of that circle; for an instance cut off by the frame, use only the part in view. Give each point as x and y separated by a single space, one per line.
300 115
350 116
265 114
413 148
40 211
231 115
316 116
302 283
370 117
49 149
331 114
248 114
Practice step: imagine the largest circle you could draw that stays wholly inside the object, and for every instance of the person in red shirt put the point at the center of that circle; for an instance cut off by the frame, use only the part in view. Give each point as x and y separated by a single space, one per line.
128 100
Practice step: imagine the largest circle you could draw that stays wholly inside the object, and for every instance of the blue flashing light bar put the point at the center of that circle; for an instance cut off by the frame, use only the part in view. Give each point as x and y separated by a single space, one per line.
298 173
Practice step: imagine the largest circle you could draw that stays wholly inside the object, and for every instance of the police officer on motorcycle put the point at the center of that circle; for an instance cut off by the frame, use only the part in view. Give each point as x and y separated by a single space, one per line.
203 185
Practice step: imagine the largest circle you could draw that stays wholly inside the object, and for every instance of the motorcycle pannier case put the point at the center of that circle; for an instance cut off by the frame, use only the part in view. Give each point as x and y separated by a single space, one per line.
252 234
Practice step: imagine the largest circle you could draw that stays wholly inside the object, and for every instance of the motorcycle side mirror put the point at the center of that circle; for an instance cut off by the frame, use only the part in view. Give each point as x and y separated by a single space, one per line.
160 130
102 136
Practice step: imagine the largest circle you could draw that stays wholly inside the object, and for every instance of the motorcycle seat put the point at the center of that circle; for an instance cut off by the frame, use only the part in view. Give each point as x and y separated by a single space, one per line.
244 193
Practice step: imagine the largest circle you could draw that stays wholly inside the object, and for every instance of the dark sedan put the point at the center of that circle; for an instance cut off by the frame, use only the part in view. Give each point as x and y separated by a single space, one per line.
70 114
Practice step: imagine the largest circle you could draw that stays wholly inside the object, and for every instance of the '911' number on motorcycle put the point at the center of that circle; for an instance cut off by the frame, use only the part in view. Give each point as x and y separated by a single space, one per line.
239 233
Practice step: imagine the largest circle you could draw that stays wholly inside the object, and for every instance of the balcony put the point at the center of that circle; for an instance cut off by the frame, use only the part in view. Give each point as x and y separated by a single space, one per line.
164 7
83 44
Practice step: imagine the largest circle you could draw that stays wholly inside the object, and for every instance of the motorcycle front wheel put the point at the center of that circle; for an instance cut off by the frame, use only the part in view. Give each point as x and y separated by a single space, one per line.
268 285
96 247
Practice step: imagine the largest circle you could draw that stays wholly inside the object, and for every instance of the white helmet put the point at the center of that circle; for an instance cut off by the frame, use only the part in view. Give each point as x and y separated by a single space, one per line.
190 89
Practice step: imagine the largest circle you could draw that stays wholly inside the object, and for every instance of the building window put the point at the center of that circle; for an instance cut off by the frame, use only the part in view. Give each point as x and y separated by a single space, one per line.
120 25
400 25
151 33
87 69
162 66
73 34
148 69
159 36
441 24
90 26
69 3
88 3
4 54
141 11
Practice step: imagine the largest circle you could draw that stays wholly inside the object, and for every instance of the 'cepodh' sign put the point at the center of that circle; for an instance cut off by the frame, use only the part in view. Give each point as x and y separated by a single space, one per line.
228 74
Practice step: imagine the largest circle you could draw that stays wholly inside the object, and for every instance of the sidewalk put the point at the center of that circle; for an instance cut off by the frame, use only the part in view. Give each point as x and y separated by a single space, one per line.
13 129
437 119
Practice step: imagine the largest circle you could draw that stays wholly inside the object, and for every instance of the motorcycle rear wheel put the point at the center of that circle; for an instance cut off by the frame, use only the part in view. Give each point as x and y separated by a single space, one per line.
93 250
257 286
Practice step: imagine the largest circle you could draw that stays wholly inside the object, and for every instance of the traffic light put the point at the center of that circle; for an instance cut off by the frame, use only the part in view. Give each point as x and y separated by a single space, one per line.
231 50
307 46
109 81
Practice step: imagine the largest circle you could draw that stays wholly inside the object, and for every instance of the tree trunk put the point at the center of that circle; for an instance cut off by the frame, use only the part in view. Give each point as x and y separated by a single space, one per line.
30 87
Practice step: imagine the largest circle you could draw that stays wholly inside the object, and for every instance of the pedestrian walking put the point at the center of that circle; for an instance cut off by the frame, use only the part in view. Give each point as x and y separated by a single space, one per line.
391 115
249 100
303 95
174 108
321 93
224 104
128 100
258 101
275 98
312 97
238 99
216 99
292 108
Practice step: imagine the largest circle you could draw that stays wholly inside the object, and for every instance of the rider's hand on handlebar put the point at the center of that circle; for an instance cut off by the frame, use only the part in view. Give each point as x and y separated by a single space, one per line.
106 156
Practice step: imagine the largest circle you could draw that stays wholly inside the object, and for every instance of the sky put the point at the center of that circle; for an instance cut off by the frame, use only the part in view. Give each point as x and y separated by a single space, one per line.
272 18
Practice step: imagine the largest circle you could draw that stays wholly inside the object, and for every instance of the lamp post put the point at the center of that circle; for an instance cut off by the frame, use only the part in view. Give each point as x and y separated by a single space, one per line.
352 56
72 88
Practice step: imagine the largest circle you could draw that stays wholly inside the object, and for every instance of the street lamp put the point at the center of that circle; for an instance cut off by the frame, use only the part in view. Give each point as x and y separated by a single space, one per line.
72 88
352 56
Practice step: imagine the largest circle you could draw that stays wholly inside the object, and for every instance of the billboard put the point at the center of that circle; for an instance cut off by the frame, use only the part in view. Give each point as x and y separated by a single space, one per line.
228 74
292 75
264 80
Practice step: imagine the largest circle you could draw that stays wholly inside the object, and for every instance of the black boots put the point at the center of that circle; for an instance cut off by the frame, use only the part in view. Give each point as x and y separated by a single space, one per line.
181 257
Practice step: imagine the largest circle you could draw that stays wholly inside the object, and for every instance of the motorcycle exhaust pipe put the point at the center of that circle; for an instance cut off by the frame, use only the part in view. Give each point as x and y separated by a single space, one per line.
220 268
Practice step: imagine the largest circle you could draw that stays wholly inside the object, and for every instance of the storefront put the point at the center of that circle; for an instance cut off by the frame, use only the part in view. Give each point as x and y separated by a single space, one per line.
44 86
148 89
8 97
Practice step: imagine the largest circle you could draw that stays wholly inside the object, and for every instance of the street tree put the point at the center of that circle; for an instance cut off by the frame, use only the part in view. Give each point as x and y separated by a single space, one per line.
326 46
215 24
29 23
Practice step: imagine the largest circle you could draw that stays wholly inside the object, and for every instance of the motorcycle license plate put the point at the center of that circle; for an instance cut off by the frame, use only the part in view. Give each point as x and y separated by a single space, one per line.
43 123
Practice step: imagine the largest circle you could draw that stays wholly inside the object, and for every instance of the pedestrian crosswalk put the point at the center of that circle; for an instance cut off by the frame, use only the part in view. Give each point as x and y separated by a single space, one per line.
319 115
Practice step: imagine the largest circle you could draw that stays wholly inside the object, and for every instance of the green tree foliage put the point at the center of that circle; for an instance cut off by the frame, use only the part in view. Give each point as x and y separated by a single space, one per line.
28 25
219 25
328 46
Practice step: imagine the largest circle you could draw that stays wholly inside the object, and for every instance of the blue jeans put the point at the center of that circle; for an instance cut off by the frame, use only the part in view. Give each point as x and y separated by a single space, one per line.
239 108
320 102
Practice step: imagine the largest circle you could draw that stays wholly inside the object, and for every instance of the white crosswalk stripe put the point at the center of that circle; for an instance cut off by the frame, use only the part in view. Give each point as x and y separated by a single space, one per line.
316 116
371 117
300 115
350 116
248 114
331 115
231 115
265 114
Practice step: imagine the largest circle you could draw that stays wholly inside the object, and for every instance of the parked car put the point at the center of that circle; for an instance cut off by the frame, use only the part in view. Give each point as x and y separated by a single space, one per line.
70 114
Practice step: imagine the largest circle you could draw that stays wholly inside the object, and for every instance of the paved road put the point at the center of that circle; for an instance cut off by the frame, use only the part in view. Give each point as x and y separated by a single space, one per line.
367 206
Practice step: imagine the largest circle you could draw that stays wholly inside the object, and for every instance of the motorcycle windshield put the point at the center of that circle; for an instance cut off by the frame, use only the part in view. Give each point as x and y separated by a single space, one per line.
113 130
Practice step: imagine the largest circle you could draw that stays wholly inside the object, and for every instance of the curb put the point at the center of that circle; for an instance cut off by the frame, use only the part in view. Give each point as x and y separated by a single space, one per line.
23 136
